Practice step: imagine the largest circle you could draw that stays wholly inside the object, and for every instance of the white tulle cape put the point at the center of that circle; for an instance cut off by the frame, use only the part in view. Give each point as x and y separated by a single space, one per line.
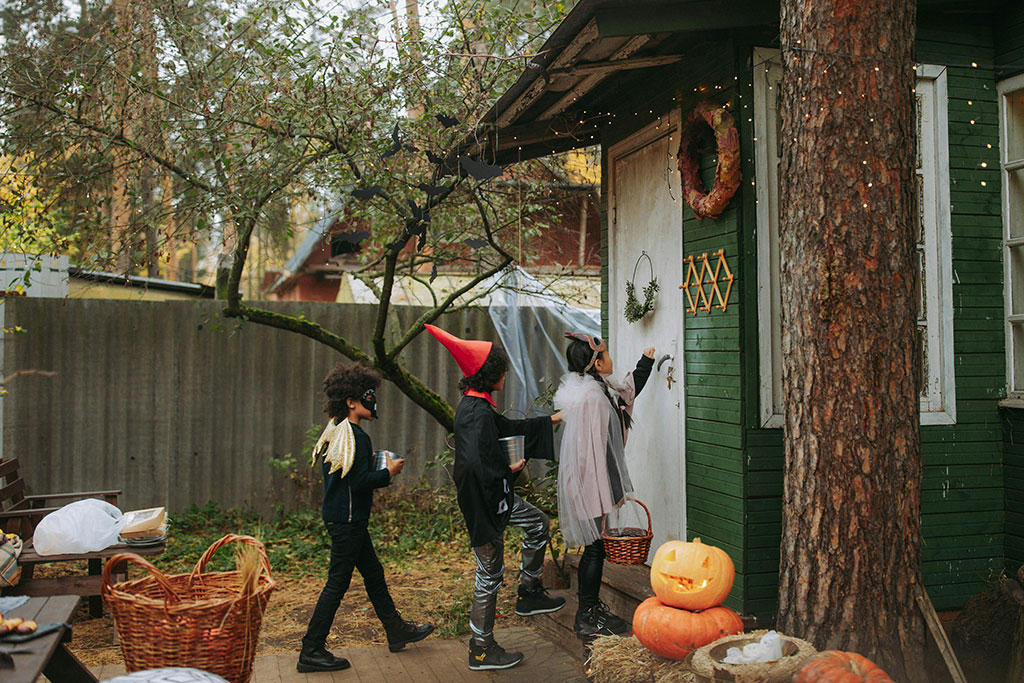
592 444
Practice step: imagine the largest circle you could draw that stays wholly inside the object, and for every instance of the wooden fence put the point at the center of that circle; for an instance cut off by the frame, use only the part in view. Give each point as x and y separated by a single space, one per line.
177 406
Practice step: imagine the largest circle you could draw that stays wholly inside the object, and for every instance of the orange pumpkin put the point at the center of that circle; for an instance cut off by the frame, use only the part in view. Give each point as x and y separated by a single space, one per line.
691 575
835 666
675 633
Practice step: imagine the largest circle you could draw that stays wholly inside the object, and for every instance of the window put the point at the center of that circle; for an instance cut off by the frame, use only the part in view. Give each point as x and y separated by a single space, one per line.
935 324
1011 156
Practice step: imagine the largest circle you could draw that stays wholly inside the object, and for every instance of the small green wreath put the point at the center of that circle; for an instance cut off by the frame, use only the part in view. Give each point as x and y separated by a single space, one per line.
634 310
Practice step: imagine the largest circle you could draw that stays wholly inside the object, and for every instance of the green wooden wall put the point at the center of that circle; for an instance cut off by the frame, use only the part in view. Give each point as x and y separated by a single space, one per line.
962 509
1009 59
734 467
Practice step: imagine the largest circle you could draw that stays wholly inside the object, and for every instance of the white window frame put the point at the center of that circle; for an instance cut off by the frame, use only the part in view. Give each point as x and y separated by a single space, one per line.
938 403
1008 166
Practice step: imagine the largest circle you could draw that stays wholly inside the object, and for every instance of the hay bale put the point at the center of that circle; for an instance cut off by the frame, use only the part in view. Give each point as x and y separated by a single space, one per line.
614 659
707 665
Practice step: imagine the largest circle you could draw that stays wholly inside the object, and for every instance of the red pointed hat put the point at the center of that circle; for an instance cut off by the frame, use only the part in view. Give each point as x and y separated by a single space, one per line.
469 354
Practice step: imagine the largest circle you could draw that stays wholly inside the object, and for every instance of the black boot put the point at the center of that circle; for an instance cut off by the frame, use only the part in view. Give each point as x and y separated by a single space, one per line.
319 660
400 633
595 620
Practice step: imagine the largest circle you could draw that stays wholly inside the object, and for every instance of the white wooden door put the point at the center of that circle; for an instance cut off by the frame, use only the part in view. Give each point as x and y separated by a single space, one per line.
646 214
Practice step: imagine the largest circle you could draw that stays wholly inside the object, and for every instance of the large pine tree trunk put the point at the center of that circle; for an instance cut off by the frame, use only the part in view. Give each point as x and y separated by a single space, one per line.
850 564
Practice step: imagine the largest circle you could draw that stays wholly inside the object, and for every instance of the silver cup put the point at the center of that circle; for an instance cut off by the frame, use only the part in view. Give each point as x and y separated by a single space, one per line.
380 459
514 448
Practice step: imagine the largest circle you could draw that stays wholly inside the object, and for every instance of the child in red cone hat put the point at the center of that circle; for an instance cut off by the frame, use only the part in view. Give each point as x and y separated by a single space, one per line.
487 499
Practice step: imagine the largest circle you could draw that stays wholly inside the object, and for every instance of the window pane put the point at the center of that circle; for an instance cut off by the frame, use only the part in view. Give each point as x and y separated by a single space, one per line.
1016 281
1015 200
1015 125
1018 352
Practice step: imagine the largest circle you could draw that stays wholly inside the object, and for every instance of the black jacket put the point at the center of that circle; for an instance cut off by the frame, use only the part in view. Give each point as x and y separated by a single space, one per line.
483 479
349 498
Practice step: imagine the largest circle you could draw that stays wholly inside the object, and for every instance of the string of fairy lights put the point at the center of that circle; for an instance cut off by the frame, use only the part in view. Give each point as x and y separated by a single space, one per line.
775 59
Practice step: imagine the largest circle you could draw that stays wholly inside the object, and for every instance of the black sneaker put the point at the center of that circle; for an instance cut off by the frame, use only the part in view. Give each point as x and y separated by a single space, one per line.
319 660
491 657
598 621
537 601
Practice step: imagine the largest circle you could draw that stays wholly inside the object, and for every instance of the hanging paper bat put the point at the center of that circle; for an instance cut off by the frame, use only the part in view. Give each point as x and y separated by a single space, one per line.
417 212
433 190
433 273
478 169
446 121
433 158
473 243
396 144
366 192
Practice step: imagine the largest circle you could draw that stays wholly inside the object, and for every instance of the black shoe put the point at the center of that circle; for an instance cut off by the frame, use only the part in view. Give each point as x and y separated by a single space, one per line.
320 660
491 657
596 620
401 633
537 601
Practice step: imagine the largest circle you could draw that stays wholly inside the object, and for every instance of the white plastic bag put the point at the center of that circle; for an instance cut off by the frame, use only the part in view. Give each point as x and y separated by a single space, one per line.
84 526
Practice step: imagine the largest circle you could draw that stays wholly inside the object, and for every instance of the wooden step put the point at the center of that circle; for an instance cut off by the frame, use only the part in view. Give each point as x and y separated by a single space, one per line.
557 626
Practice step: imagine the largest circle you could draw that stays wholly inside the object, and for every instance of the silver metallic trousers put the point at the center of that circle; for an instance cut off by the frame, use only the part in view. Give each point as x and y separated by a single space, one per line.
490 568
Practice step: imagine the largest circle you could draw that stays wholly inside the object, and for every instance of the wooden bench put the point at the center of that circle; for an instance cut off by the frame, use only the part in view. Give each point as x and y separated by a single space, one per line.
20 512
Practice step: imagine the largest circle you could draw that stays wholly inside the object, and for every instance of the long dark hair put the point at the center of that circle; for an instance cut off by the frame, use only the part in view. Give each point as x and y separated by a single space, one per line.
578 355
484 379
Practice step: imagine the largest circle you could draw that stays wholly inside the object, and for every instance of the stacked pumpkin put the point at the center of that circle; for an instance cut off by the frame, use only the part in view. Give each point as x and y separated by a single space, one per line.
690 581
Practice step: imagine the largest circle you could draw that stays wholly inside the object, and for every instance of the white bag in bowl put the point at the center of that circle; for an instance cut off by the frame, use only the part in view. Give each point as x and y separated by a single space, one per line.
84 526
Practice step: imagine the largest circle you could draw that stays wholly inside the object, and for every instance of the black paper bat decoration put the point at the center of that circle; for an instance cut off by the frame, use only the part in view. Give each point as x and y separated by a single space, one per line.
417 212
478 169
433 190
366 192
473 243
410 148
433 273
396 144
423 238
433 158
446 121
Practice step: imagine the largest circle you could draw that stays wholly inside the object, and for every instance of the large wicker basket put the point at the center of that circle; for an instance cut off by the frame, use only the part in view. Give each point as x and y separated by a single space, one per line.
628 545
203 620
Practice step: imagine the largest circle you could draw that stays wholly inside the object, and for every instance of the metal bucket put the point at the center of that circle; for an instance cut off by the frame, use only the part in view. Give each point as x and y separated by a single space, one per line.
380 459
514 448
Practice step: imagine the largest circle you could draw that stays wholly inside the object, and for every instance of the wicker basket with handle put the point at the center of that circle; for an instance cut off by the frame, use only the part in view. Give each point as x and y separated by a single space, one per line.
630 545
208 621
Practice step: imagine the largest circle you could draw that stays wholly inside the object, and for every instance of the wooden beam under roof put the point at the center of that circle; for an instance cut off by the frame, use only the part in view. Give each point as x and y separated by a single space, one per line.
607 67
588 83
579 43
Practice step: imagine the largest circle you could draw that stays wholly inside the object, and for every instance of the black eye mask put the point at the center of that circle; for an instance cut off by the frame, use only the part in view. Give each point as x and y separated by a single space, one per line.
369 401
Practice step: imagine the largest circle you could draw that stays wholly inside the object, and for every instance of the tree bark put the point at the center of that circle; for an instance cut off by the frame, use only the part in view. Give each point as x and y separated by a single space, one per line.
850 555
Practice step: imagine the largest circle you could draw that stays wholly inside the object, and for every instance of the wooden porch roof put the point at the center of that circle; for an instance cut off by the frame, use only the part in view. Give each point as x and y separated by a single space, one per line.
604 48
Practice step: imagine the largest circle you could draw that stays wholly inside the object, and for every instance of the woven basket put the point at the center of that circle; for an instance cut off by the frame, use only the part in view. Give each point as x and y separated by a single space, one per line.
200 620
632 545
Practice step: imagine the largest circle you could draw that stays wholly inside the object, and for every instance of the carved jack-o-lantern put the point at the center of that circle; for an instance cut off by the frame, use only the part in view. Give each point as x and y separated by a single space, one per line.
691 575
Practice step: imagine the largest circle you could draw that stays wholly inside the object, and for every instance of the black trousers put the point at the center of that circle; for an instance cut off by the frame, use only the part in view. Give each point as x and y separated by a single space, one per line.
589 574
351 548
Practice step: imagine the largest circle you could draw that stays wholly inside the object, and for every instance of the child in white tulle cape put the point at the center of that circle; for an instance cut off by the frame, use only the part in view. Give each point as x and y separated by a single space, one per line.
592 475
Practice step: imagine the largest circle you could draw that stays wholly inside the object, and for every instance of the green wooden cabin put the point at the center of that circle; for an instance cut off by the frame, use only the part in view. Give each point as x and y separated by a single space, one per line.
707 454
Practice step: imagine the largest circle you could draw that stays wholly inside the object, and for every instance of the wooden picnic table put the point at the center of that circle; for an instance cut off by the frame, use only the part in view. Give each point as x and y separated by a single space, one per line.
48 654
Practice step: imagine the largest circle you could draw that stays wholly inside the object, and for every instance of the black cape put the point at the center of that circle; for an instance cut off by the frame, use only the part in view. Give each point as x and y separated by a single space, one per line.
483 479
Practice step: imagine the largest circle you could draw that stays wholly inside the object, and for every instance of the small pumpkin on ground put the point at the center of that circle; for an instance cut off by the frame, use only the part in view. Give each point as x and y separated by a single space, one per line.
675 633
836 666
691 575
